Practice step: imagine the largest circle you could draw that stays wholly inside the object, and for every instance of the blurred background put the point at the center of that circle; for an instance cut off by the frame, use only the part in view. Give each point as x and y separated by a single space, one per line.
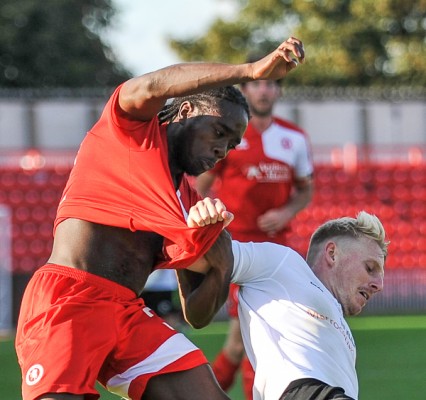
360 96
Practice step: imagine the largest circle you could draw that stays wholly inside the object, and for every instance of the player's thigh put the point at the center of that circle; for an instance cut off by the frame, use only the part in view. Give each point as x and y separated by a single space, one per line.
197 383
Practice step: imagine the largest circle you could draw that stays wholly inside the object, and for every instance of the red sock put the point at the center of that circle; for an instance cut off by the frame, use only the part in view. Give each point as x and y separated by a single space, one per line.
248 378
225 370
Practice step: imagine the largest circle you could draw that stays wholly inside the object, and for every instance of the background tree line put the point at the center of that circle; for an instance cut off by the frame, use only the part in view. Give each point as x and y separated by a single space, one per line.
57 43
348 42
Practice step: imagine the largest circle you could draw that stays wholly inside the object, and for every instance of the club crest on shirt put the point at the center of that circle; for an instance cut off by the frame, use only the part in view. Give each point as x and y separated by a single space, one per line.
286 143
34 374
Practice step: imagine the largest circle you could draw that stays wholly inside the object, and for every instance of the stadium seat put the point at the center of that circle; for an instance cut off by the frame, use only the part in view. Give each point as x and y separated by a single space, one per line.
395 193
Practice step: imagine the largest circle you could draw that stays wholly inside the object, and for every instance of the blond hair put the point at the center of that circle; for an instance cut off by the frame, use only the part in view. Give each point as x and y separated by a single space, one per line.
364 224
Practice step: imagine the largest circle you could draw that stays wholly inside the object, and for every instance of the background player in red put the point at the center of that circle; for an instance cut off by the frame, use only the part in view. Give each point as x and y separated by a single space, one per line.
265 183
122 215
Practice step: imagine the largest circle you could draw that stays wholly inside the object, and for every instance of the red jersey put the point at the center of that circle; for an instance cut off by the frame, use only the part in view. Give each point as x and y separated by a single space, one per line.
121 178
259 175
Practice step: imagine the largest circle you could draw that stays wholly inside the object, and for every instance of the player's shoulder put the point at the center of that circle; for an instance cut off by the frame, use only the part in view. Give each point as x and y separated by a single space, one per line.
289 125
262 250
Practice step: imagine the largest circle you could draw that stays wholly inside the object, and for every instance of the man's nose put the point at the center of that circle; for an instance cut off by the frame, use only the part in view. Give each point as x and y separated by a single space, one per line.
377 284
220 151
265 86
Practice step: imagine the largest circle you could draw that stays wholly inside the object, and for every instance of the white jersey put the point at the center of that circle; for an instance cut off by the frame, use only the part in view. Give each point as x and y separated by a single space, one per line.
161 280
292 326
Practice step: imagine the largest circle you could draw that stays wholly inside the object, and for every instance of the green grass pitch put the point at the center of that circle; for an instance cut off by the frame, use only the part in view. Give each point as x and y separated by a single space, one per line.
391 358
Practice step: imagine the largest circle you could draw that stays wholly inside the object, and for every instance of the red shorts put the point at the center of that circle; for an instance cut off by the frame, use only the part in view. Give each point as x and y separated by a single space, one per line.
232 301
75 328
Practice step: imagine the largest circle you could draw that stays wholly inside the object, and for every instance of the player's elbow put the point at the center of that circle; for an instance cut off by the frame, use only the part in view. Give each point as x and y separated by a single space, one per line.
197 319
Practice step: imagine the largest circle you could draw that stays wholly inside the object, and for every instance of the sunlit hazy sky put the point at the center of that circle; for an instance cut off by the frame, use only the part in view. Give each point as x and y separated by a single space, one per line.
142 27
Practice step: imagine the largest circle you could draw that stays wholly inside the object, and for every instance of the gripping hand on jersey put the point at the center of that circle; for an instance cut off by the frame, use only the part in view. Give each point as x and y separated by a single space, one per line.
208 211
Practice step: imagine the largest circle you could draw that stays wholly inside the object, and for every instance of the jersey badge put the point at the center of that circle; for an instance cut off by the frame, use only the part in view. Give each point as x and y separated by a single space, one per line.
34 374
286 143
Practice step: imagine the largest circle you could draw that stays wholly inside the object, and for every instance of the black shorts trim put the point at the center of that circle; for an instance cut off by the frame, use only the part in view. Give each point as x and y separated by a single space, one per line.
313 389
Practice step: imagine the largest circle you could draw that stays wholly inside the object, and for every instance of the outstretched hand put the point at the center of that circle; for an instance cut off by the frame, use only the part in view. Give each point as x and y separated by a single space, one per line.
282 60
207 212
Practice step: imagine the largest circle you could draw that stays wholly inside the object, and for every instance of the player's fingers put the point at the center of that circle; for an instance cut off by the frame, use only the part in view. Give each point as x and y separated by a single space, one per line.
228 217
290 48
204 213
195 217
220 208
299 44
295 45
199 214
288 57
213 212
191 223
214 209
208 210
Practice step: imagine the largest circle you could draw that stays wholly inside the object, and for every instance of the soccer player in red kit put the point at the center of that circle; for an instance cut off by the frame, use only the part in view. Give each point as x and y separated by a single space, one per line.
122 215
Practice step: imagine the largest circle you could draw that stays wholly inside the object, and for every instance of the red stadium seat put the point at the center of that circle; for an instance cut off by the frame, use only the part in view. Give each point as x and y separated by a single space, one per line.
7 180
395 193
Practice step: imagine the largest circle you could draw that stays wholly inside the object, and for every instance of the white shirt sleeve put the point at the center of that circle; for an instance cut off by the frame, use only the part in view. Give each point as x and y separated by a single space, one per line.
256 261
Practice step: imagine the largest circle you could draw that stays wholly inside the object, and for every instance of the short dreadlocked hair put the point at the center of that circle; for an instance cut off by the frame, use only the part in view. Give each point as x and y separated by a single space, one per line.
207 101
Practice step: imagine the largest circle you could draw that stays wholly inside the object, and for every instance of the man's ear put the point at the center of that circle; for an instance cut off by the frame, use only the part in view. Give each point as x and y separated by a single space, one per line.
330 253
186 110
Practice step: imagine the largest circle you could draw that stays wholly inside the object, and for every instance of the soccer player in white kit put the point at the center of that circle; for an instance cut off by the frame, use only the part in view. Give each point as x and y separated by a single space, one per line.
292 311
